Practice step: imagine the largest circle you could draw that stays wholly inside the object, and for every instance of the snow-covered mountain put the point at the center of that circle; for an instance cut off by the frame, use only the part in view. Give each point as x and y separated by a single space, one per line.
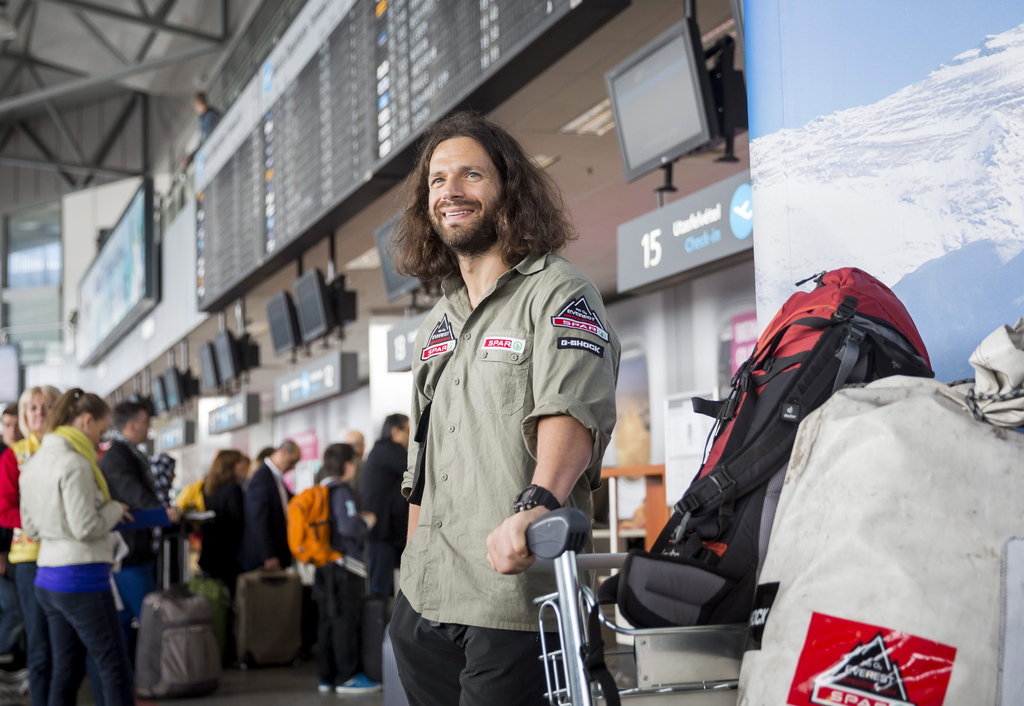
909 180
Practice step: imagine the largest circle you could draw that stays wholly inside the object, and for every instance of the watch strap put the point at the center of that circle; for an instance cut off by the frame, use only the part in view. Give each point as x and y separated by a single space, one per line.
534 495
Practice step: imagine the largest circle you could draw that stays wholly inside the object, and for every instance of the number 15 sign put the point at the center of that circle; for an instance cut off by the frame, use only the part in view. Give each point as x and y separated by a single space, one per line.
703 228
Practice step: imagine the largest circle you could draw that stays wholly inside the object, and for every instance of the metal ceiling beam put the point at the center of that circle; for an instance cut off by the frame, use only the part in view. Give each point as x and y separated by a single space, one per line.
71 167
101 38
64 89
58 119
44 151
41 63
111 139
138 19
7 137
147 43
11 78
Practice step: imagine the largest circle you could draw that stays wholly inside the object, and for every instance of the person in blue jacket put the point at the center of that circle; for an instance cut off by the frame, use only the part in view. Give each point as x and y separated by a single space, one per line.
337 590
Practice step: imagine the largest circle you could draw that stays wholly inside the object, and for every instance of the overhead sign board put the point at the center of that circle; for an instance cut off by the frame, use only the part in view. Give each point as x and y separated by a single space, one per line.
710 225
334 374
401 341
177 434
239 412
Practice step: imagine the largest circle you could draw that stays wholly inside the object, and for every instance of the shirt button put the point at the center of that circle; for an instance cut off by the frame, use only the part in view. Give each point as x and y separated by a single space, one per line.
468 336
437 524
515 357
484 354
457 381
444 476
451 429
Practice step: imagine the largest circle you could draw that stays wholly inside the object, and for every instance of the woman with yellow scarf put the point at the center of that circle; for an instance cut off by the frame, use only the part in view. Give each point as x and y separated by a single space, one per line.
66 506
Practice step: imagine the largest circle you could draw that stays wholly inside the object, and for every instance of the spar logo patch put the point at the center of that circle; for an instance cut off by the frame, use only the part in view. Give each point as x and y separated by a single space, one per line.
581 344
856 664
578 315
441 340
501 343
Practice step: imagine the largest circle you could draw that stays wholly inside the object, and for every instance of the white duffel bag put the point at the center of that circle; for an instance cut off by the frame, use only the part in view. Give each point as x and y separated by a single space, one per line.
882 584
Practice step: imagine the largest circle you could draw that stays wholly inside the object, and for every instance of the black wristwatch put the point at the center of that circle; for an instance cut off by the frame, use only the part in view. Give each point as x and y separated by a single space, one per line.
534 495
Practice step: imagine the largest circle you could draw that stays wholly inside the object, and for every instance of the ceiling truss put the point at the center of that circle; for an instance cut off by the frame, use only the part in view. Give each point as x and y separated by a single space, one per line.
25 72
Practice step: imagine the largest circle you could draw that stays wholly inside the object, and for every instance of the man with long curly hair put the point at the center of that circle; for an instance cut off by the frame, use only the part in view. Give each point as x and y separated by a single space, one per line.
514 405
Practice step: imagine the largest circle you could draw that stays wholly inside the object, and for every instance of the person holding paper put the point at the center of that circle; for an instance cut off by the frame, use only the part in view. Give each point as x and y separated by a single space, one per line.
66 505
127 471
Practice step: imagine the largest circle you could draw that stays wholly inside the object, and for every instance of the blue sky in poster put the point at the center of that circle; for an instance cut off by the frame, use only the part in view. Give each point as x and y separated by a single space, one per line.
854 53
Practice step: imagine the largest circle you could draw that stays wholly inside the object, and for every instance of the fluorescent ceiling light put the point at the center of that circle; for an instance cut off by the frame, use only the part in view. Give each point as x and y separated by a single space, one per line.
369 260
545 160
594 122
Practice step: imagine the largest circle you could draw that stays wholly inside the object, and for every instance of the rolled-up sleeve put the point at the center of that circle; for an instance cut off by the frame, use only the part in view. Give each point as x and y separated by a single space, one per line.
575 363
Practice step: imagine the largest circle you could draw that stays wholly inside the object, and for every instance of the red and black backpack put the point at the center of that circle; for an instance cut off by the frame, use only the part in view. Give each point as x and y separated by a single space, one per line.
703 567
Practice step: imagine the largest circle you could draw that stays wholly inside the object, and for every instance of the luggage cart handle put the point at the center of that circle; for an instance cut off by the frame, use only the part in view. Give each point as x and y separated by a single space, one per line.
553 534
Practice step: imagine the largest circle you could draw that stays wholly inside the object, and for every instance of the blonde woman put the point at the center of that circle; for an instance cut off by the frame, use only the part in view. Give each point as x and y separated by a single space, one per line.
33 407
66 505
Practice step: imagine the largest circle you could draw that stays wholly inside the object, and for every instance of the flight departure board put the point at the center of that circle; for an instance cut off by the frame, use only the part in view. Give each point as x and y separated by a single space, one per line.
318 145
229 220
338 117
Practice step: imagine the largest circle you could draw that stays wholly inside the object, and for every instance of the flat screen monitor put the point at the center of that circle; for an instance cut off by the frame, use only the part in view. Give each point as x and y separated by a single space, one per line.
208 366
284 323
159 396
229 364
315 306
10 374
662 101
395 285
121 285
174 388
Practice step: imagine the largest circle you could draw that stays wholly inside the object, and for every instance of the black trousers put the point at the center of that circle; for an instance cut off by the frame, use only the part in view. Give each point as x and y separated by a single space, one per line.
338 595
443 664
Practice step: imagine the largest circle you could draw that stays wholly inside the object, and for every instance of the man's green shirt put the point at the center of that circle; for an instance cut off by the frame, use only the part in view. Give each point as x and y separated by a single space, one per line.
538 344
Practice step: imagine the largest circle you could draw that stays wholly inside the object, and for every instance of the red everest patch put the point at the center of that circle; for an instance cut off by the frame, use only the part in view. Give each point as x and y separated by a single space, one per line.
579 315
856 664
441 340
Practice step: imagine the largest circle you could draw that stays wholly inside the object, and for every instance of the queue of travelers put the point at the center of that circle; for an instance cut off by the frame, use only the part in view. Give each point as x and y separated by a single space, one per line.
71 594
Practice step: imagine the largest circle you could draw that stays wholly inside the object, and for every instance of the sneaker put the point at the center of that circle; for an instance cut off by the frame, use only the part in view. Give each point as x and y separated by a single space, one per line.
359 684
325 688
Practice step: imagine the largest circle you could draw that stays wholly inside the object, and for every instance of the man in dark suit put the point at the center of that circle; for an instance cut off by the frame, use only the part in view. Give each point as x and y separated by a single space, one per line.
265 540
126 470
381 493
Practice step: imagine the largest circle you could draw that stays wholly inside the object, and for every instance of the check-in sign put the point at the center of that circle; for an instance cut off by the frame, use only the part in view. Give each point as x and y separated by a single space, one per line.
688 234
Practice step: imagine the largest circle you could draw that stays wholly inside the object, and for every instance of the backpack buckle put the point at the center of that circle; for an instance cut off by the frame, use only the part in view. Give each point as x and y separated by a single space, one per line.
846 310
722 479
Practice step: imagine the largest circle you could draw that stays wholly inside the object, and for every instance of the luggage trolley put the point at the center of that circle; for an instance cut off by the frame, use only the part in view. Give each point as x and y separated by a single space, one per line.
696 666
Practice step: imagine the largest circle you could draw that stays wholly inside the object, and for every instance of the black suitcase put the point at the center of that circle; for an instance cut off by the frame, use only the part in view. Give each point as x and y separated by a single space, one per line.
178 654
375 618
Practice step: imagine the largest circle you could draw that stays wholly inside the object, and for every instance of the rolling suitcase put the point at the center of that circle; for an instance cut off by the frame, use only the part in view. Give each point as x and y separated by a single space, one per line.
373 626
268 625
177 654
394 692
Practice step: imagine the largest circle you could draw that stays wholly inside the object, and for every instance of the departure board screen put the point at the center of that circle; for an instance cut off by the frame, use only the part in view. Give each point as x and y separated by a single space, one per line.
229 220
431 53
318 144
339 105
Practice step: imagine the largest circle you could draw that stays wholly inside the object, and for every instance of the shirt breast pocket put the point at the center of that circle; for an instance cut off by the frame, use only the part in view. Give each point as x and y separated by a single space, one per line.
500 374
